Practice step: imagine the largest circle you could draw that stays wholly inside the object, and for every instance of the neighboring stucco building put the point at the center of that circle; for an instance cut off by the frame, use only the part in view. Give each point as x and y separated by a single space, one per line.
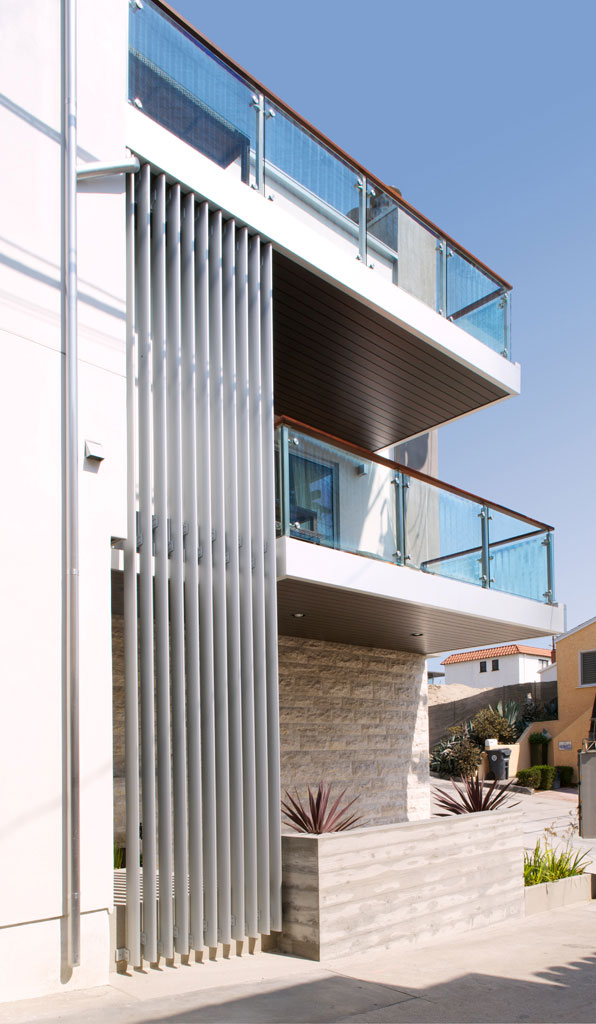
508 665
576 687
244 318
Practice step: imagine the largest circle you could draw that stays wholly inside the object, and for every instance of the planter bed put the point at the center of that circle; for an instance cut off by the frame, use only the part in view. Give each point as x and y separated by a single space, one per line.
404 884
564 892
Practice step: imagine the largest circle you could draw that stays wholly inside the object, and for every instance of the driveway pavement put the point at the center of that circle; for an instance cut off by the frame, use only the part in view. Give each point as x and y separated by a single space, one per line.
540 968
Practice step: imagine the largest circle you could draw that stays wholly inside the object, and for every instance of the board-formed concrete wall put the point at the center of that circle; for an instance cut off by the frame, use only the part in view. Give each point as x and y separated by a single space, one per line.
356 717
402 885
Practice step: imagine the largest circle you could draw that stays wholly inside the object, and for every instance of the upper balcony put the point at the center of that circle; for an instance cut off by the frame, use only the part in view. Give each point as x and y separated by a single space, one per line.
264 150
442 568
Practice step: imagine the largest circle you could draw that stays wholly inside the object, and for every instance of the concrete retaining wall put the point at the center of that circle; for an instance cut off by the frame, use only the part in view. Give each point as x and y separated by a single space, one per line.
563 893
442 717
404 884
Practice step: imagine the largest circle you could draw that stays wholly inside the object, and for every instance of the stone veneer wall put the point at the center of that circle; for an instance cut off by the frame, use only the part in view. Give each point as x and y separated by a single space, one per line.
354 716
357 717
118 727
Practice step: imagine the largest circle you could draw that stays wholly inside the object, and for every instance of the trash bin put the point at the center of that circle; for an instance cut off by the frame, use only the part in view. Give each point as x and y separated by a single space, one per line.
498 762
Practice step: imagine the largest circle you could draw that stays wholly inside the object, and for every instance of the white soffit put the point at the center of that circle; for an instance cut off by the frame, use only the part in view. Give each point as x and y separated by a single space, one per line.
352 598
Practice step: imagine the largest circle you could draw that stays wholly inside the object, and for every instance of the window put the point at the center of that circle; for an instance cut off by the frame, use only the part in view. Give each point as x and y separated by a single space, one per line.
313 500
495 665
587 668
483 666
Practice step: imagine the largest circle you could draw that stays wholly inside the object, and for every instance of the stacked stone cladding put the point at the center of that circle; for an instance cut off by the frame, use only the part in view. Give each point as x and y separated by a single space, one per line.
353 716
356 717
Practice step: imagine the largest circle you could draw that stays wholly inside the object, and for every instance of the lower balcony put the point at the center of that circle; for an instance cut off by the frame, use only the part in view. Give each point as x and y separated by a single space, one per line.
373 554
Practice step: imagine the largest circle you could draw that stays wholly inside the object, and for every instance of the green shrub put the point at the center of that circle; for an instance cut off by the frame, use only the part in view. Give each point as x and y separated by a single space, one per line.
457 754
547 775
488 724
537 737
548 865
566 775
529 777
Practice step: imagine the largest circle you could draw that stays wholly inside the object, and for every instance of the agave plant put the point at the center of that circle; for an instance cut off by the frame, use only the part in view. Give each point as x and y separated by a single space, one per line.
509 710
473 796
316 817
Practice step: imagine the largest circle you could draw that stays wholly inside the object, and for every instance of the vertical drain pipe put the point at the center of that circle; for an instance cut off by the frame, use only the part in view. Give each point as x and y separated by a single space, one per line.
71 503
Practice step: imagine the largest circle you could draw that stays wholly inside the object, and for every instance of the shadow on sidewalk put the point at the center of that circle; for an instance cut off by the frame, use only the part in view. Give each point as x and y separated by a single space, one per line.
561 993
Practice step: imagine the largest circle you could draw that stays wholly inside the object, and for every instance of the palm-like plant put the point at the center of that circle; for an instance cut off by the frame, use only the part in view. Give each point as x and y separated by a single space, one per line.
315 817
474 796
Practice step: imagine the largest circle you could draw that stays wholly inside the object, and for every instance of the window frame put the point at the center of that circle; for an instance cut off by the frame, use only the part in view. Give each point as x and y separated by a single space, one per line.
483 666
494 665
589 650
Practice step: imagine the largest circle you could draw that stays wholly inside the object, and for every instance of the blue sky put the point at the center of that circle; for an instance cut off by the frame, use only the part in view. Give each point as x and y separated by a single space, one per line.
484 115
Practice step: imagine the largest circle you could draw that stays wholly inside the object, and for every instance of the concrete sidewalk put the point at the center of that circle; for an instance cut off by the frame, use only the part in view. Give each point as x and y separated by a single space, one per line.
541 968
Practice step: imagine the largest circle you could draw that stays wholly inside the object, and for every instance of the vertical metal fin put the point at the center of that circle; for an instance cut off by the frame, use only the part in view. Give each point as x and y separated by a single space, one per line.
174 359
146 566
160 535
219 578
131 668
245 583
233 578
258 583
191 573
270 574
202 319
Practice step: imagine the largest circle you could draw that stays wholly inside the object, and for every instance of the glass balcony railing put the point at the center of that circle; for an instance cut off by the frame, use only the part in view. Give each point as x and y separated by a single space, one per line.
179 81
346 498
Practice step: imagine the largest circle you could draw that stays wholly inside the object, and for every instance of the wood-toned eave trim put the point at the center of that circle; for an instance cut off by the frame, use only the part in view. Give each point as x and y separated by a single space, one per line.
355 449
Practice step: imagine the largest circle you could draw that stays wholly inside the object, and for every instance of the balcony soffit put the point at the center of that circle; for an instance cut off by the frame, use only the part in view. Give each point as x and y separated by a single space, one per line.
343 367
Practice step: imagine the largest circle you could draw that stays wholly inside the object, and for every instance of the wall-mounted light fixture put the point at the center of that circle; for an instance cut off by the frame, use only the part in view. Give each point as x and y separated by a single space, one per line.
94 451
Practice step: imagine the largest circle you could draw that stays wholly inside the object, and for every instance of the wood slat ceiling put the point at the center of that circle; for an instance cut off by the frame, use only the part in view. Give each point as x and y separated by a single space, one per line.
347 617
343 368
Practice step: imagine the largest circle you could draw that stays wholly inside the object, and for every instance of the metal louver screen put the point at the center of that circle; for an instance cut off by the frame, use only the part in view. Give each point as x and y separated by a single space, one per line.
202 733
588 668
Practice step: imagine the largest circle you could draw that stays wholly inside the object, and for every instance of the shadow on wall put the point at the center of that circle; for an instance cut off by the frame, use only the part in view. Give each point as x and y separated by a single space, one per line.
557 993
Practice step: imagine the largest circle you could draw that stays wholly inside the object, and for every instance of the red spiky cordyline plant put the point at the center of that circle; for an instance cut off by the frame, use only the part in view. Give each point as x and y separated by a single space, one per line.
474 797
316 818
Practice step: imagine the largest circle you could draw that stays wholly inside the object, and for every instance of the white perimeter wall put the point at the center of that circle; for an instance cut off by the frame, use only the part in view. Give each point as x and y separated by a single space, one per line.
513 669
31 752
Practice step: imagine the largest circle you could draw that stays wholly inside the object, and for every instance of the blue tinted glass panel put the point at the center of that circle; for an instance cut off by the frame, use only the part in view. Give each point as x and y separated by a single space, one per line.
488 324
183 87
443 532
292 152
520 567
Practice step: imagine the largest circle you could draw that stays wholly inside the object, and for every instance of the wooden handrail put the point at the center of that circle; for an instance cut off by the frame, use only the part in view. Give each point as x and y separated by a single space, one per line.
254 83
355 449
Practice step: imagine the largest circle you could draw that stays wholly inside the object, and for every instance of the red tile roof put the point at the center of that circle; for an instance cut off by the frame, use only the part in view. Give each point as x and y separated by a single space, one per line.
496 652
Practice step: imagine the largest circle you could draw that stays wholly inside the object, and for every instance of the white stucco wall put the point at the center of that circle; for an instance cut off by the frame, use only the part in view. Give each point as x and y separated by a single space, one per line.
31 753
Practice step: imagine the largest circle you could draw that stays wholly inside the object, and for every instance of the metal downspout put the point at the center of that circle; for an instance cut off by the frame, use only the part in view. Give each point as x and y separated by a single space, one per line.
71 510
